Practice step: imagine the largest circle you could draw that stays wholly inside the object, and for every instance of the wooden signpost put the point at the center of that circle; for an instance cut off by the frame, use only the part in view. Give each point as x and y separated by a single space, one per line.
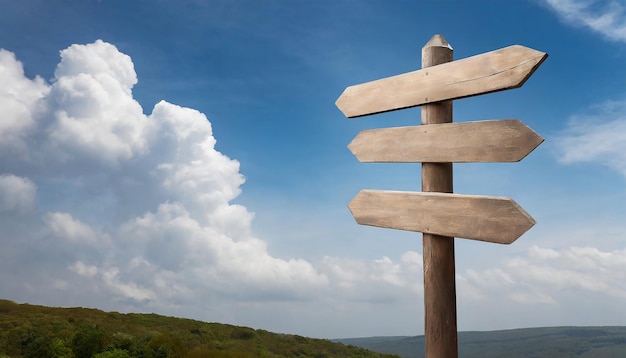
436 212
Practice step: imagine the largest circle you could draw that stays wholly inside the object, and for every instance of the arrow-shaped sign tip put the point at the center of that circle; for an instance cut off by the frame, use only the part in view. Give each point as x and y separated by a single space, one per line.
345 100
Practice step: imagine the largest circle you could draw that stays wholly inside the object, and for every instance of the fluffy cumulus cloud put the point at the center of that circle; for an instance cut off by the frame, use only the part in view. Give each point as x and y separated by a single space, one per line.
607 17
596 136
18 101
102 205
137 206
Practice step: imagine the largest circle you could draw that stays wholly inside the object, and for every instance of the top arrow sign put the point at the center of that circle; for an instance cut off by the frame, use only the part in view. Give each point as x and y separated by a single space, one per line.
493 71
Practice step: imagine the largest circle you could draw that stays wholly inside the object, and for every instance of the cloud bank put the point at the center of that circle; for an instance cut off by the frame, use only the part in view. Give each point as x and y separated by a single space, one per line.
104 206
607 17
136 208
542 275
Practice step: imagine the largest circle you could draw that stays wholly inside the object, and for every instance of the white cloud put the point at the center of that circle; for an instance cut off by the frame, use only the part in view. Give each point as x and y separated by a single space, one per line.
143 200
18 98
134 211
542 275
91 106
544 286
130 290
17 194
598 136
65 227
380 280
579 268
84 270
607 17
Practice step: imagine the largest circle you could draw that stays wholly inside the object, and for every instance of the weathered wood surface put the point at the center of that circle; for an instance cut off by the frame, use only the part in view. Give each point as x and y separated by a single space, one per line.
507 140
438 251
498 70
485 218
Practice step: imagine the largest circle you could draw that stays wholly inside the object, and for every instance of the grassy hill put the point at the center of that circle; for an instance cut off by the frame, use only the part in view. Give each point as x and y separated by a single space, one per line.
552 342
39 331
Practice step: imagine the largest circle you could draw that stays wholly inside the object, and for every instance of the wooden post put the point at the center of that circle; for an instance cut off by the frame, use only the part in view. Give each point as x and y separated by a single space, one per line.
439 282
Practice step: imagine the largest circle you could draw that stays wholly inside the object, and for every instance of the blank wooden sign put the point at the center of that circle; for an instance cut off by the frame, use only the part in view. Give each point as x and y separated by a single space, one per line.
493 71
485 218
507 140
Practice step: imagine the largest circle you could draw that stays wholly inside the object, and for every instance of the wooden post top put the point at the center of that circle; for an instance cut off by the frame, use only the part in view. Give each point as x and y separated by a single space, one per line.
437 41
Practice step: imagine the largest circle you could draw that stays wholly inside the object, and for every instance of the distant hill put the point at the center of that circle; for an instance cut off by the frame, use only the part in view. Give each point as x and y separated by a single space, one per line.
549 342
40 331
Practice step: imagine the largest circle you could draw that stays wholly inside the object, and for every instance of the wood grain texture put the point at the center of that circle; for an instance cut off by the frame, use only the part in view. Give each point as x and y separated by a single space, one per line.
507 140
493 71
438 251
440 328
484 218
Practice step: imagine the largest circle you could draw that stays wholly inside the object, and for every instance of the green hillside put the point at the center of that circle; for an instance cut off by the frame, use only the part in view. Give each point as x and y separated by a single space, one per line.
39 331
548 342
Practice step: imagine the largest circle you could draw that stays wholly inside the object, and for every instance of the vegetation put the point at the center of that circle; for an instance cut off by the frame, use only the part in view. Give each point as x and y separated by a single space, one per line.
39 331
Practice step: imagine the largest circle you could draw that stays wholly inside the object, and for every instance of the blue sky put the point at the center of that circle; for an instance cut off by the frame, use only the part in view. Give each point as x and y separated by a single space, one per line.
187 158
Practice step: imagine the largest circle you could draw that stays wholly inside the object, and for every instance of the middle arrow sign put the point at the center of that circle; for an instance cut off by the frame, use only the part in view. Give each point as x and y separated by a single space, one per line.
506 140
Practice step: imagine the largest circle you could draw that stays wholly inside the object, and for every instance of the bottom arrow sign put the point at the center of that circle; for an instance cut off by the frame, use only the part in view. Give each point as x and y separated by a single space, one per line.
485 218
